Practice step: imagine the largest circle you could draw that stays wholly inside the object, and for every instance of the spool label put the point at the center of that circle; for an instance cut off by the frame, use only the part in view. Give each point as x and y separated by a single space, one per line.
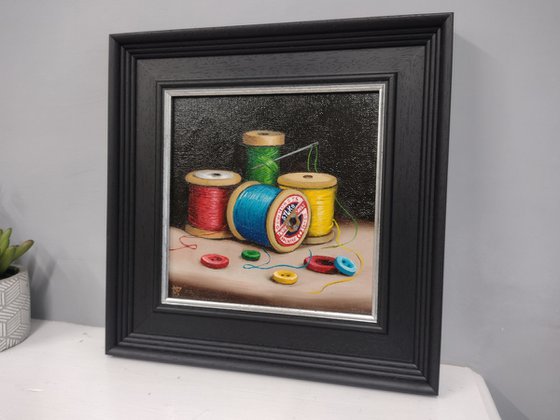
291 220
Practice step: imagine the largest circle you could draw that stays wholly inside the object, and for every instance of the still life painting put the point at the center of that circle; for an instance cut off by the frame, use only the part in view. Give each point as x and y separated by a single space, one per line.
273 198
276 198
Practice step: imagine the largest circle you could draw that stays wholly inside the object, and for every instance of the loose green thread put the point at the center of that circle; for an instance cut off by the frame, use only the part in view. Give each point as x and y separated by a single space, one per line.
266 266
344 210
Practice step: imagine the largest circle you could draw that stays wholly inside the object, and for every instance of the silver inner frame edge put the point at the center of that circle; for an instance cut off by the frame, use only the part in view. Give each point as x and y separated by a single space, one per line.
169 94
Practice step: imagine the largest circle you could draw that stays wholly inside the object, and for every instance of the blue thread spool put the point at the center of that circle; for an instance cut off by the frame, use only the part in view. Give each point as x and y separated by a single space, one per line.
268 216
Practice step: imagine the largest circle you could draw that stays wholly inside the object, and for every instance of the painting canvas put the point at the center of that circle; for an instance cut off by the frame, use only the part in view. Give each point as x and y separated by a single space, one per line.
272 198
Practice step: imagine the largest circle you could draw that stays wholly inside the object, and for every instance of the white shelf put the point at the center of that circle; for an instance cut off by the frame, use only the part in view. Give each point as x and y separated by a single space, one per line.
61 372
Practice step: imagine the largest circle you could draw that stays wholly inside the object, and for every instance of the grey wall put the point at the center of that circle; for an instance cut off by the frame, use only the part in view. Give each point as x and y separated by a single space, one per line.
502 285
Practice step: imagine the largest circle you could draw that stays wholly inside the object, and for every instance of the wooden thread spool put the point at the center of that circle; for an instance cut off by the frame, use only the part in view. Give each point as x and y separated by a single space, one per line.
320 191
263 150
211 204
268 216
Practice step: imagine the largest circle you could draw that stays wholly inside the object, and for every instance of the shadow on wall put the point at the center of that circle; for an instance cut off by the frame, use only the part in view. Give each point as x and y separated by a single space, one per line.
39 262
41 267
507 409
475 73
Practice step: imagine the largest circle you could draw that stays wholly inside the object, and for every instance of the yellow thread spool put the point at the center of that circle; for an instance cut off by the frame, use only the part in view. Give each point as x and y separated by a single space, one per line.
320 190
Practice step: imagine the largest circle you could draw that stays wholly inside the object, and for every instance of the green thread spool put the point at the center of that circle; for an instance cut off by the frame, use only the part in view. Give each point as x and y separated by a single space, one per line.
263 150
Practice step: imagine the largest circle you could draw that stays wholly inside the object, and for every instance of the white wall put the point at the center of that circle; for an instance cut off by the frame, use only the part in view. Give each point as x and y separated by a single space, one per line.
502 283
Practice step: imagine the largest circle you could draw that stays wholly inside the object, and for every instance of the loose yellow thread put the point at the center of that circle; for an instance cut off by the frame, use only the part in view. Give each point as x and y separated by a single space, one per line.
337 238
356 253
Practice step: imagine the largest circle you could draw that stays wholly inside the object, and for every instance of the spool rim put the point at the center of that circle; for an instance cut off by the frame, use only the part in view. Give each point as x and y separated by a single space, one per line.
231 205
307 180
224 178
207 234
317 240
262 138
270 221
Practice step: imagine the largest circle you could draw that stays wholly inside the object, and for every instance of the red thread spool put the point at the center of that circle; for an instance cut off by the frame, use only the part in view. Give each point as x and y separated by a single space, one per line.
207 207
209 192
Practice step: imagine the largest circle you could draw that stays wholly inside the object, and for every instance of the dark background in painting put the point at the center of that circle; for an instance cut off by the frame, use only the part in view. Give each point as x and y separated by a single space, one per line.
207 134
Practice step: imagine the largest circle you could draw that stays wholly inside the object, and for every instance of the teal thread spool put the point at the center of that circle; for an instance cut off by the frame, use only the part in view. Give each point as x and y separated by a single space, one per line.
263 150
268 216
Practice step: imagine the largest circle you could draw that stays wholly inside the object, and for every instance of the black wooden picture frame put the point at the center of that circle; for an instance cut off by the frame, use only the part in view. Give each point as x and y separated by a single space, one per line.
412 56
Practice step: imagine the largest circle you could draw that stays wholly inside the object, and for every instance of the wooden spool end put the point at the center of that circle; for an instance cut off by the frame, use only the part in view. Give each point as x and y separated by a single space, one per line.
207 234
307 180
310 181
277 206
213 178
264 138
318 240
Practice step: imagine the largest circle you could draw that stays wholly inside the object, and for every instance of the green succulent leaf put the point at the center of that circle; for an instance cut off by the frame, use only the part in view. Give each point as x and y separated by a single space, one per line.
4 243
23 248
7 259
6 234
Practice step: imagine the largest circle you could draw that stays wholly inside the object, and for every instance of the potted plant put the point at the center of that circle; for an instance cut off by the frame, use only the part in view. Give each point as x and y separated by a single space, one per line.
15 308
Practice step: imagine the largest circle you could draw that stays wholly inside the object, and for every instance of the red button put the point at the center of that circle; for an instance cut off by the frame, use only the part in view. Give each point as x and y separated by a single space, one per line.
214 261
321 264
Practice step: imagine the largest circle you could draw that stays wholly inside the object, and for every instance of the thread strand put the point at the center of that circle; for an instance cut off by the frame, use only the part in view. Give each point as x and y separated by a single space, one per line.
346 279
265 266
184 245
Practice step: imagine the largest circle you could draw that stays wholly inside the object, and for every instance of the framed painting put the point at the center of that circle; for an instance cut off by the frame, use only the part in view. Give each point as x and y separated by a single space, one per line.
277 198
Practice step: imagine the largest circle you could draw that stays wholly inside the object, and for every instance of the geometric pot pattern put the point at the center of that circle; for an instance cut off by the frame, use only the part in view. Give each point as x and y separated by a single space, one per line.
15 309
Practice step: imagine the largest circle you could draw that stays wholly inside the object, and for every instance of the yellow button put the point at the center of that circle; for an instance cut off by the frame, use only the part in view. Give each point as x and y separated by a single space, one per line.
284 277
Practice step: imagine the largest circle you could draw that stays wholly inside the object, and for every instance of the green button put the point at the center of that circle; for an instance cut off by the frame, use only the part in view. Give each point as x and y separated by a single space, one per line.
250 255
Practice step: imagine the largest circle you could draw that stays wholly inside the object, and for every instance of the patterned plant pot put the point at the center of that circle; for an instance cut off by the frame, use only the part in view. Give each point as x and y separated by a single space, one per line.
15 309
